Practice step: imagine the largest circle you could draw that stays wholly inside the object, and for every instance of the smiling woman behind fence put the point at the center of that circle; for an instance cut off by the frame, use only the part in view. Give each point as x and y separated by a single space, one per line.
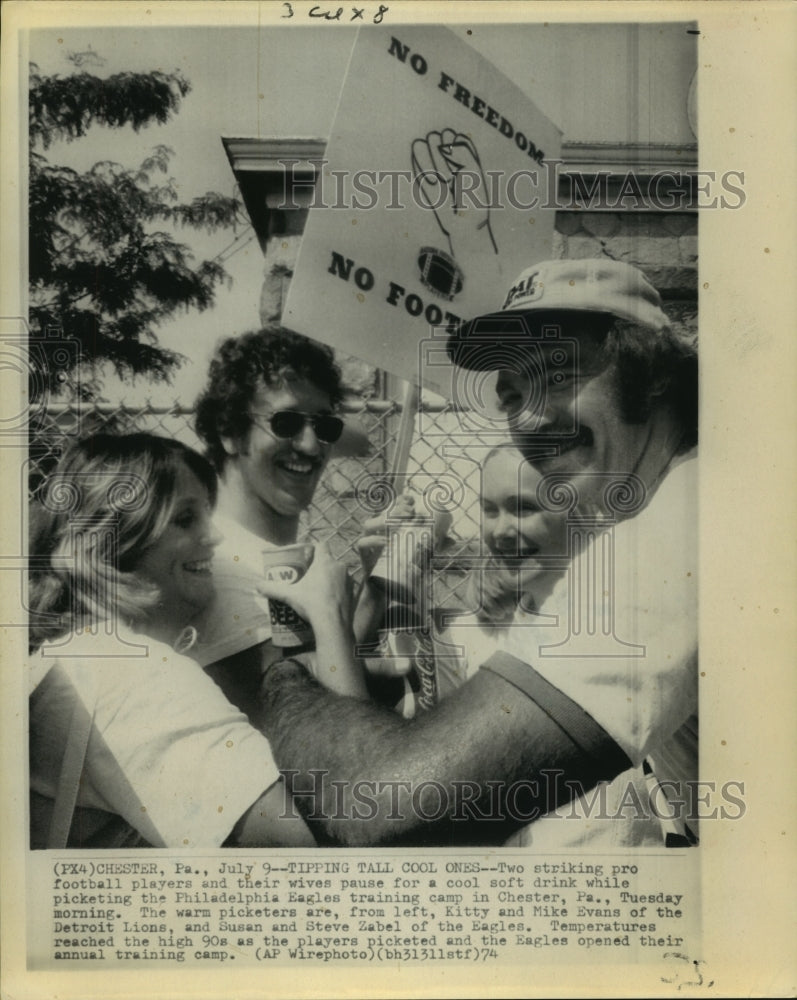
131 743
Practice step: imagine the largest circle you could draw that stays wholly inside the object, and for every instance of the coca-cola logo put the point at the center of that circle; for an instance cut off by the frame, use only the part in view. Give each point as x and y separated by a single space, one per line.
427 670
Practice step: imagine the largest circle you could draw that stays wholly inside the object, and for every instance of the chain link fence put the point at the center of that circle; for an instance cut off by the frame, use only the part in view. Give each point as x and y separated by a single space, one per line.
442 475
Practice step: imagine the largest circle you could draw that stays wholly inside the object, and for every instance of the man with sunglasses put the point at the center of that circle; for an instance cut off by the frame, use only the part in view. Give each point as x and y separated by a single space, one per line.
267 419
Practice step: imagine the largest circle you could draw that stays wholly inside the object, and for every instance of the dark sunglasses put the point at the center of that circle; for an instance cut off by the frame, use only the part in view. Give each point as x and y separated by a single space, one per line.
290 423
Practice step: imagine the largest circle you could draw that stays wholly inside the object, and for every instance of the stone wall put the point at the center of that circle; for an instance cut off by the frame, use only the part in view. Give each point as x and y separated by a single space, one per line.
662 244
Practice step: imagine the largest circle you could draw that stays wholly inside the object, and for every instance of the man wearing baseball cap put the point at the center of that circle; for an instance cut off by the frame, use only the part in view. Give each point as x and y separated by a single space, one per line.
600 394
592 378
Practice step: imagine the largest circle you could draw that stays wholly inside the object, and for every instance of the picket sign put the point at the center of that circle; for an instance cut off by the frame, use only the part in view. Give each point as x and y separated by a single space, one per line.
434 193
430 200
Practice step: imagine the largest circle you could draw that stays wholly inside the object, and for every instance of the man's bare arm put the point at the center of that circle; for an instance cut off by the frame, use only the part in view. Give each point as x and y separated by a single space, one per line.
487 760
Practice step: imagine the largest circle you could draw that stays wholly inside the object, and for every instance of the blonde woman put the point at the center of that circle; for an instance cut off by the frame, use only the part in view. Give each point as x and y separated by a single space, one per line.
131 743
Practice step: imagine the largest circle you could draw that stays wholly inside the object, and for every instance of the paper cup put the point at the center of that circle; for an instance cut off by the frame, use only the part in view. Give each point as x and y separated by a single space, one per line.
287 564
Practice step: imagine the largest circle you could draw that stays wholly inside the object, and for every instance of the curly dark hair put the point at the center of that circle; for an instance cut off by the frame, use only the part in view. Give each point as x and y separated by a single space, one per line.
239 366
653 366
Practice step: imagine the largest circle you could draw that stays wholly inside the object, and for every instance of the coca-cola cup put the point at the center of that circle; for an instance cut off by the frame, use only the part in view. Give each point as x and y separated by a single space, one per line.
287 564
397 571
416 647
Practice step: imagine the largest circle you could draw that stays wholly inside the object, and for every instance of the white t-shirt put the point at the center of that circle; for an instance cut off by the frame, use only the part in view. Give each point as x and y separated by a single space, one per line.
238 616
461 648
644 629
624 649
166 751
468 642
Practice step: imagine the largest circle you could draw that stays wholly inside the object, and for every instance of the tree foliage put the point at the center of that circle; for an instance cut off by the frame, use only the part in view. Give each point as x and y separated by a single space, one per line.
106 267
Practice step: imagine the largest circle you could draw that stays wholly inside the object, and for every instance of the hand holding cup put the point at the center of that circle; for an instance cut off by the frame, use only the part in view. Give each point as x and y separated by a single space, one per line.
308 582
400 545
376 530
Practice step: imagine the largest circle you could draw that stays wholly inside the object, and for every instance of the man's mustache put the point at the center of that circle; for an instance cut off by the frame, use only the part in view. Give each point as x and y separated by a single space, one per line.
553 434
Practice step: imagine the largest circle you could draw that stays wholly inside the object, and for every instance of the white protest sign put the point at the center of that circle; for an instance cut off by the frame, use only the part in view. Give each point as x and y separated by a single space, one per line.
430 202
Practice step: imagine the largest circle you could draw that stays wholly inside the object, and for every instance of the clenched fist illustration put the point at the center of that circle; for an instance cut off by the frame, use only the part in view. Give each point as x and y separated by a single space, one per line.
449 179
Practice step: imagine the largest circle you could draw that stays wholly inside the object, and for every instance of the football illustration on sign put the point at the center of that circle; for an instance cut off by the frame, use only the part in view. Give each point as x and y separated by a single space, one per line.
446 165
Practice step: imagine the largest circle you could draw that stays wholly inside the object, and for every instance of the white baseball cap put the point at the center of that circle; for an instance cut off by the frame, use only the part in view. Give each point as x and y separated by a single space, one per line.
597 286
